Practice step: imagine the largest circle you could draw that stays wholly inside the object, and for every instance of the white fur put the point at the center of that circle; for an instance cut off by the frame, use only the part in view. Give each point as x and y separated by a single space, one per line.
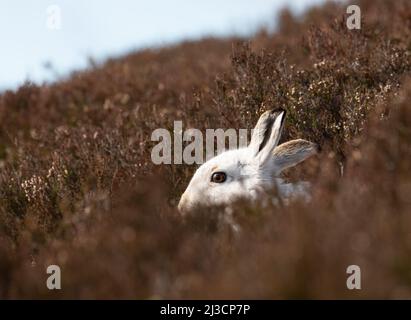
250 170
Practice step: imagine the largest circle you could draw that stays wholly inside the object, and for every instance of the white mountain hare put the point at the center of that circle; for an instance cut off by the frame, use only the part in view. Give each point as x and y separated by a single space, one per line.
247 172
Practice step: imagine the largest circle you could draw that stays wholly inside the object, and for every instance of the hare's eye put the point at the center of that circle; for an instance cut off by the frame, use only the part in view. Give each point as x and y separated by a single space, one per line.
218 177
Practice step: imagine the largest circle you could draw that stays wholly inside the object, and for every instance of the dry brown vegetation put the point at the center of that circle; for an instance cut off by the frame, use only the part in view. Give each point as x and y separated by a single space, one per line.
78 187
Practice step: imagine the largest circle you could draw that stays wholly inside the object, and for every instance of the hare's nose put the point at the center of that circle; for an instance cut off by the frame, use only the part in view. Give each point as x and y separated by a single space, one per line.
182 205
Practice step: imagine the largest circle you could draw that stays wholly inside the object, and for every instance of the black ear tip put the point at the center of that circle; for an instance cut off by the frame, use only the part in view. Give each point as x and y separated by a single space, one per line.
278 110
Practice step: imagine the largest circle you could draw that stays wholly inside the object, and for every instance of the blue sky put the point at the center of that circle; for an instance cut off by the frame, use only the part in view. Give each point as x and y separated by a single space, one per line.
107 28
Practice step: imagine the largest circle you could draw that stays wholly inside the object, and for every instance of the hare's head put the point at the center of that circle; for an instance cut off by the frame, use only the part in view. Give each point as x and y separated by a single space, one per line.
244 172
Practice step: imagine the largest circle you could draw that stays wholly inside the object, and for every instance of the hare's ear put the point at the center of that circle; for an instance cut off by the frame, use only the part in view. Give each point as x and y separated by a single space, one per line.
266 134
293 152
